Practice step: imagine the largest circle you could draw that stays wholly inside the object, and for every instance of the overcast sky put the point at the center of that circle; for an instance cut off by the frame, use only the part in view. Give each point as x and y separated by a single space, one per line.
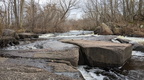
74 14
77 13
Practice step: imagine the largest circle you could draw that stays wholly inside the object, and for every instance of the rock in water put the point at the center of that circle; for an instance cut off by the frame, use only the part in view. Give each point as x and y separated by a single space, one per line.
10 33
106 29
103 30
5 41
101 53
9 37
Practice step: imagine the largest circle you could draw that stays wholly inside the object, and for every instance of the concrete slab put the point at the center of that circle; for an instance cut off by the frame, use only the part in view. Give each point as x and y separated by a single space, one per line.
102 53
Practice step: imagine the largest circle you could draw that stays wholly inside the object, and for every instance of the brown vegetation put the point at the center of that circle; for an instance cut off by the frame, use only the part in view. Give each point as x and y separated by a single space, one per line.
116 11
31 16
123 16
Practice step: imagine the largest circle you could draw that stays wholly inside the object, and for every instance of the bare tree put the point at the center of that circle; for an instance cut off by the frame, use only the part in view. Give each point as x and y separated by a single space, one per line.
140 7
65 7
21 12
30 15
16 13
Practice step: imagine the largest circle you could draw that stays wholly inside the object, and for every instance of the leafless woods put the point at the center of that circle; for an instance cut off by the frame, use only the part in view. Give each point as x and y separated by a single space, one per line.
32 16
98 11
52 16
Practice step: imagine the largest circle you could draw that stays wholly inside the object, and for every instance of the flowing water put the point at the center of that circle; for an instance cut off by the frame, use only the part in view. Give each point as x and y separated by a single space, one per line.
132 70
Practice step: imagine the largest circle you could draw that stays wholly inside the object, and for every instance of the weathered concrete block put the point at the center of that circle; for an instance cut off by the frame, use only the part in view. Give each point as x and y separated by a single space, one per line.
102 54
53 50
71 55
56 57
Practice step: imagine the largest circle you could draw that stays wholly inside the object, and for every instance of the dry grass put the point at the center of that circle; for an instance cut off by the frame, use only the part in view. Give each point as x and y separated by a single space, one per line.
59 29
20 30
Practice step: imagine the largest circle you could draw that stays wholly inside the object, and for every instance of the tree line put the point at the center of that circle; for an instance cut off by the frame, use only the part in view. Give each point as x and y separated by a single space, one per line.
98 11
30 15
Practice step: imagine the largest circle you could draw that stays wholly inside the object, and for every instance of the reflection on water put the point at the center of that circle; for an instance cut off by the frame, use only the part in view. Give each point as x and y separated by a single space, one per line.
132 70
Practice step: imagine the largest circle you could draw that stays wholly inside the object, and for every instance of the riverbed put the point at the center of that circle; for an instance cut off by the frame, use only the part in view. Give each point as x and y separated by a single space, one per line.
131 70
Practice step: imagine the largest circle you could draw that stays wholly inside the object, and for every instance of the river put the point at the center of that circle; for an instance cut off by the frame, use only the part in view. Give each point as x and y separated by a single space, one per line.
131 70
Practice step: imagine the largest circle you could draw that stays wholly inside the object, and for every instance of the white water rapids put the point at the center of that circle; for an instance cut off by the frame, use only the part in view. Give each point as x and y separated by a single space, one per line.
90 74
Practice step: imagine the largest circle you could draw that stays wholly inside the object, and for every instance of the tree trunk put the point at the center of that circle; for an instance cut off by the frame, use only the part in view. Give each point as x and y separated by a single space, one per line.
140 7
16 13
21 13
